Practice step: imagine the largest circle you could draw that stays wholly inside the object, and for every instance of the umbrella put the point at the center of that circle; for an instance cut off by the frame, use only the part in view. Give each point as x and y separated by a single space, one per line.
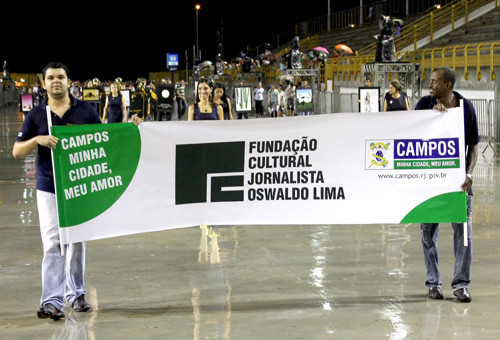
206 63
345 48
311 54
321 49
286 77
267 58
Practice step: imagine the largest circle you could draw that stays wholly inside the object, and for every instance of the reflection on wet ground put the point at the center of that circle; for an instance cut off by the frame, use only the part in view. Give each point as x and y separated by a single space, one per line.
249 282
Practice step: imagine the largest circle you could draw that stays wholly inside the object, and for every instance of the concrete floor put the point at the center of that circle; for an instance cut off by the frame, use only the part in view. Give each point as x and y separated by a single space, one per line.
250 282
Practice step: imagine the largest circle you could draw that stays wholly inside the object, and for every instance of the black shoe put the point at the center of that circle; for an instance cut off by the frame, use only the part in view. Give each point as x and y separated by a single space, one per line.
80 305
49 311
462 295
435 293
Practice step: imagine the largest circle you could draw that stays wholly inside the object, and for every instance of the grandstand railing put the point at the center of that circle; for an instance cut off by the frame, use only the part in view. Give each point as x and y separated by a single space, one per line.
352 18
478 57
434 24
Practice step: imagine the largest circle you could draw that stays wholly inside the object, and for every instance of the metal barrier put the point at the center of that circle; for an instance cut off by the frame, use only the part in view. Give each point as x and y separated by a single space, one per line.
483 121
494 122
327 100
349 102
488 116
8 96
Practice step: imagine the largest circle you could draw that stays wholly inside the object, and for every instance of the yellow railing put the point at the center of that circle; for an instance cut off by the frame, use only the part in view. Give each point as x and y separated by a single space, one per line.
481 58
338 21
305 45
428 25
478 57
349 19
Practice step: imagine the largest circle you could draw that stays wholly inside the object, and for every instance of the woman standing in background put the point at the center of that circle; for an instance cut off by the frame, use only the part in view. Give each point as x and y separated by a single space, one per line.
115 106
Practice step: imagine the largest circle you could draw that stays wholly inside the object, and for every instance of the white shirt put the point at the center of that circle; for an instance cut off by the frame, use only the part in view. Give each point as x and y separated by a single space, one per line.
259 93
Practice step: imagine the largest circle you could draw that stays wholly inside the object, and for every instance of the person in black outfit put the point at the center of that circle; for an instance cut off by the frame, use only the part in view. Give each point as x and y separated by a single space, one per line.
115 108
395 100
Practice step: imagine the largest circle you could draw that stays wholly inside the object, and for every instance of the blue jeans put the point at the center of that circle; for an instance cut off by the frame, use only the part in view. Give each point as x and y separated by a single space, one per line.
463 254
62 276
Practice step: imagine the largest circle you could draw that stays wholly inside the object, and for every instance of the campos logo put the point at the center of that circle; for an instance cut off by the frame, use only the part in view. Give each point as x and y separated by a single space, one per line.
210 172
379 155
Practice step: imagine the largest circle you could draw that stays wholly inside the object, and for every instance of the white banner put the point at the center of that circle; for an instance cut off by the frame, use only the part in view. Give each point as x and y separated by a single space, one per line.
353 168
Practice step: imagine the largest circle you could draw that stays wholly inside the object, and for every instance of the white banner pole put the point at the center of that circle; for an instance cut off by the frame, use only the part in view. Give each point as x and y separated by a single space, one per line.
466 242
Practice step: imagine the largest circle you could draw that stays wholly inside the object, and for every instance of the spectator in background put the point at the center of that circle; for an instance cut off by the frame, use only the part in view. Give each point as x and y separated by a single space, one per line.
220 98
289 98
115 108
397 31
395 100
272 101
76 90
180 93
259 100
281 101
204 107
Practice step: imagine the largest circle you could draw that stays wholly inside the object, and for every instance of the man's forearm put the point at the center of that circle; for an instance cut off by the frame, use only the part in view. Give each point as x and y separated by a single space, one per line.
472 154
23 149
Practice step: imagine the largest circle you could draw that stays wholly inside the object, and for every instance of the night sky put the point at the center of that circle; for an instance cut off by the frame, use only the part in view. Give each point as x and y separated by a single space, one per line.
129 41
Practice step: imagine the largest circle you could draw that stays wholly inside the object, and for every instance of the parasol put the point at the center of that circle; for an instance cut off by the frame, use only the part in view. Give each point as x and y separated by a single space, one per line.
311 54
344 48
321 49
205 64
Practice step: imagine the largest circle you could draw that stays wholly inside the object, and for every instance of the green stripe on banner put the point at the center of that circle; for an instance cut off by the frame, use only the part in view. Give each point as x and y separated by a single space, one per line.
427 164
94 165
449 207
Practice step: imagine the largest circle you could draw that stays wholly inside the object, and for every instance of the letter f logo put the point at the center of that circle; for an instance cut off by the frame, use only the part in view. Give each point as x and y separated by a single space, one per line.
209 172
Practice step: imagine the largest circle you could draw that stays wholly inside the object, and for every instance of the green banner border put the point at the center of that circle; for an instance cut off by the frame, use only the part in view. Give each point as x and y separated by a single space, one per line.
450 207
124 137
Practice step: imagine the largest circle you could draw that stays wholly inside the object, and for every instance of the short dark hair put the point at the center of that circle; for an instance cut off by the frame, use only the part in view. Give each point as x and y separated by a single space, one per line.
449 74
55 64
397 85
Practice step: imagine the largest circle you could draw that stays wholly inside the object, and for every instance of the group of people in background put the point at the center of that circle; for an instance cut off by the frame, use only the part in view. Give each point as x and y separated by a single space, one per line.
278 100
208 96
274 100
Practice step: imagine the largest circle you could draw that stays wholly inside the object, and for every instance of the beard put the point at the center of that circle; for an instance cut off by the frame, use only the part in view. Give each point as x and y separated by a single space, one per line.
58 92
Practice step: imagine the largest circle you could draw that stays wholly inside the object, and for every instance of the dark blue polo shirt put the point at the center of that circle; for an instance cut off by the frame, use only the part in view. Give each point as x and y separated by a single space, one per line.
35 124
470 120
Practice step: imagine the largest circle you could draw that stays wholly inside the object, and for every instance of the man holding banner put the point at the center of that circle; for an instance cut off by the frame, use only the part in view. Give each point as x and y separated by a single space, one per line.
62 276
442 97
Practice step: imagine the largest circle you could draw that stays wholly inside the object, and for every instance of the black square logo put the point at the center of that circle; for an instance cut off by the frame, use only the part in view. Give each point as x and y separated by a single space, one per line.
211 172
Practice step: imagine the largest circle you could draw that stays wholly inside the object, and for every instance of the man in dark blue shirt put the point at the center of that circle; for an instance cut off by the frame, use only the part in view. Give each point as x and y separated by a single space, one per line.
62 277
442 97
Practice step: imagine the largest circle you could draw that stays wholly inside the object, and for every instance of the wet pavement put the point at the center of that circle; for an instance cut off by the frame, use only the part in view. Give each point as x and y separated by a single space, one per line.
250 282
